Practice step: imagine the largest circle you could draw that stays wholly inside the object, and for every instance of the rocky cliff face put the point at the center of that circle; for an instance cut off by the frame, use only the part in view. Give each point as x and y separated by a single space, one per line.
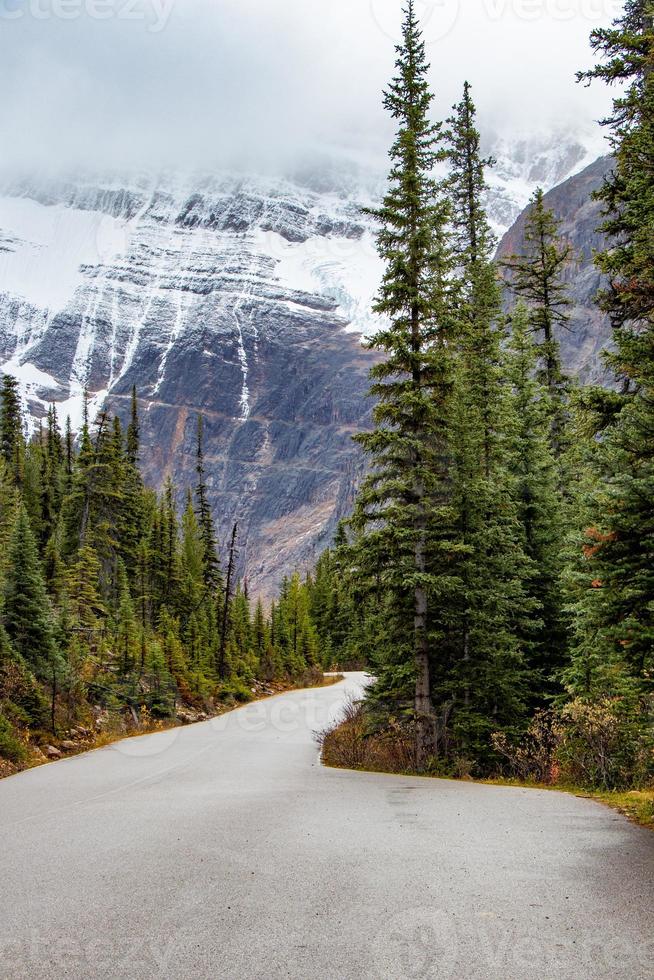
239 298
580 217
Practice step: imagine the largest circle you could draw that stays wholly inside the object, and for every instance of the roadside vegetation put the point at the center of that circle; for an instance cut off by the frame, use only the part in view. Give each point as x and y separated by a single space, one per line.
498 563
118 615
553 756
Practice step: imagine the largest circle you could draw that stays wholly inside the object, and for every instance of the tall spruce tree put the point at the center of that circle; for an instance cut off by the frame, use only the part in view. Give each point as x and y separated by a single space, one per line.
211 564
404 508
535 475
483 682
134 432
614 582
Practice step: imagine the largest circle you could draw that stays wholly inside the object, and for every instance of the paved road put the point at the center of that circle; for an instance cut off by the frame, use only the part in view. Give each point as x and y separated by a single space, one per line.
224 850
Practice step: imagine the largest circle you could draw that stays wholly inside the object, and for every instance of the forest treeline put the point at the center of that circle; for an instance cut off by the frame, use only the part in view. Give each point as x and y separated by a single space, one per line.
116 609
499 566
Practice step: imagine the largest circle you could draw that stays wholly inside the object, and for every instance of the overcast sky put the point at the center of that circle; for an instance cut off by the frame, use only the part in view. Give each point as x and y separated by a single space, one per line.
202 82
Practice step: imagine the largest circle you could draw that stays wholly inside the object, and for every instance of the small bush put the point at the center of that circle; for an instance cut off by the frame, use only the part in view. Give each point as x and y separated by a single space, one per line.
235 690
18 686
311 677
11 747
352 745
535 757
606 744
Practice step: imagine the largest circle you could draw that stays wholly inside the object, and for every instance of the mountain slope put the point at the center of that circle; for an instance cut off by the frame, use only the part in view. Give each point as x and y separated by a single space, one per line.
241 298
580 218
228 297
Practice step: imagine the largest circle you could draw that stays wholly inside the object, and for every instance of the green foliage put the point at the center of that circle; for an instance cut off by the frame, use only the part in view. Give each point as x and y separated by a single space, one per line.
27 612
11 747
504 536
12 439
110 599
611 577
537 278
408 538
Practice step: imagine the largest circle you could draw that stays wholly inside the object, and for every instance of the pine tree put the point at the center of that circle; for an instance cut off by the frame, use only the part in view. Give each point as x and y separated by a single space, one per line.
27 615
76 510
168 547
52 477
85 606
483 680
134 432
404 506
211 565
126 629
221 663
538 277
132 490
628 193
9 506
534 471
12 437
69 454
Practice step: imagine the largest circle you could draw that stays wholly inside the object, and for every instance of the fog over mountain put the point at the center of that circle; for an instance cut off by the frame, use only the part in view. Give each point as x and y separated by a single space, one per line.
252 84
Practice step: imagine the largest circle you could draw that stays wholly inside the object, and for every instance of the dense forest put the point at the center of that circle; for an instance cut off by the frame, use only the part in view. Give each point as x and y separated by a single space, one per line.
117 612
498 570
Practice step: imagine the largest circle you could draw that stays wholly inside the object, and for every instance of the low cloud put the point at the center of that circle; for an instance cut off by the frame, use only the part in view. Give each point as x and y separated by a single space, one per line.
202 83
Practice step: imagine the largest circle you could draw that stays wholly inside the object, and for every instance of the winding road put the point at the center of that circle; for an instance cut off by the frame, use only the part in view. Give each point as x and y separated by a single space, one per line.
225 850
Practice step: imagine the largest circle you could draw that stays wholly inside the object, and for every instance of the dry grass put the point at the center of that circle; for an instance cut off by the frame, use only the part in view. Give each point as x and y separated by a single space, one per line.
350 745
638 805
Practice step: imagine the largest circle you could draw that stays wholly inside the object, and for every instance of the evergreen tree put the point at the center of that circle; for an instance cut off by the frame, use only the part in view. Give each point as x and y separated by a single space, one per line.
538 277
85 607
211 565
132 491
404 508
534 471
12 437
27 615
628 193
221 664
134 432
482 681
126 629
614 580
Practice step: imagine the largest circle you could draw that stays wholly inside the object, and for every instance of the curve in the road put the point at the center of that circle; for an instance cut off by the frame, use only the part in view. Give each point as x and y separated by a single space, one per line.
225 850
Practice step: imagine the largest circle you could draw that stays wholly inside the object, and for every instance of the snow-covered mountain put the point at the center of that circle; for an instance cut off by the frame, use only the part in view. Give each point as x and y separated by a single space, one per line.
540 159
239 297
101 280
